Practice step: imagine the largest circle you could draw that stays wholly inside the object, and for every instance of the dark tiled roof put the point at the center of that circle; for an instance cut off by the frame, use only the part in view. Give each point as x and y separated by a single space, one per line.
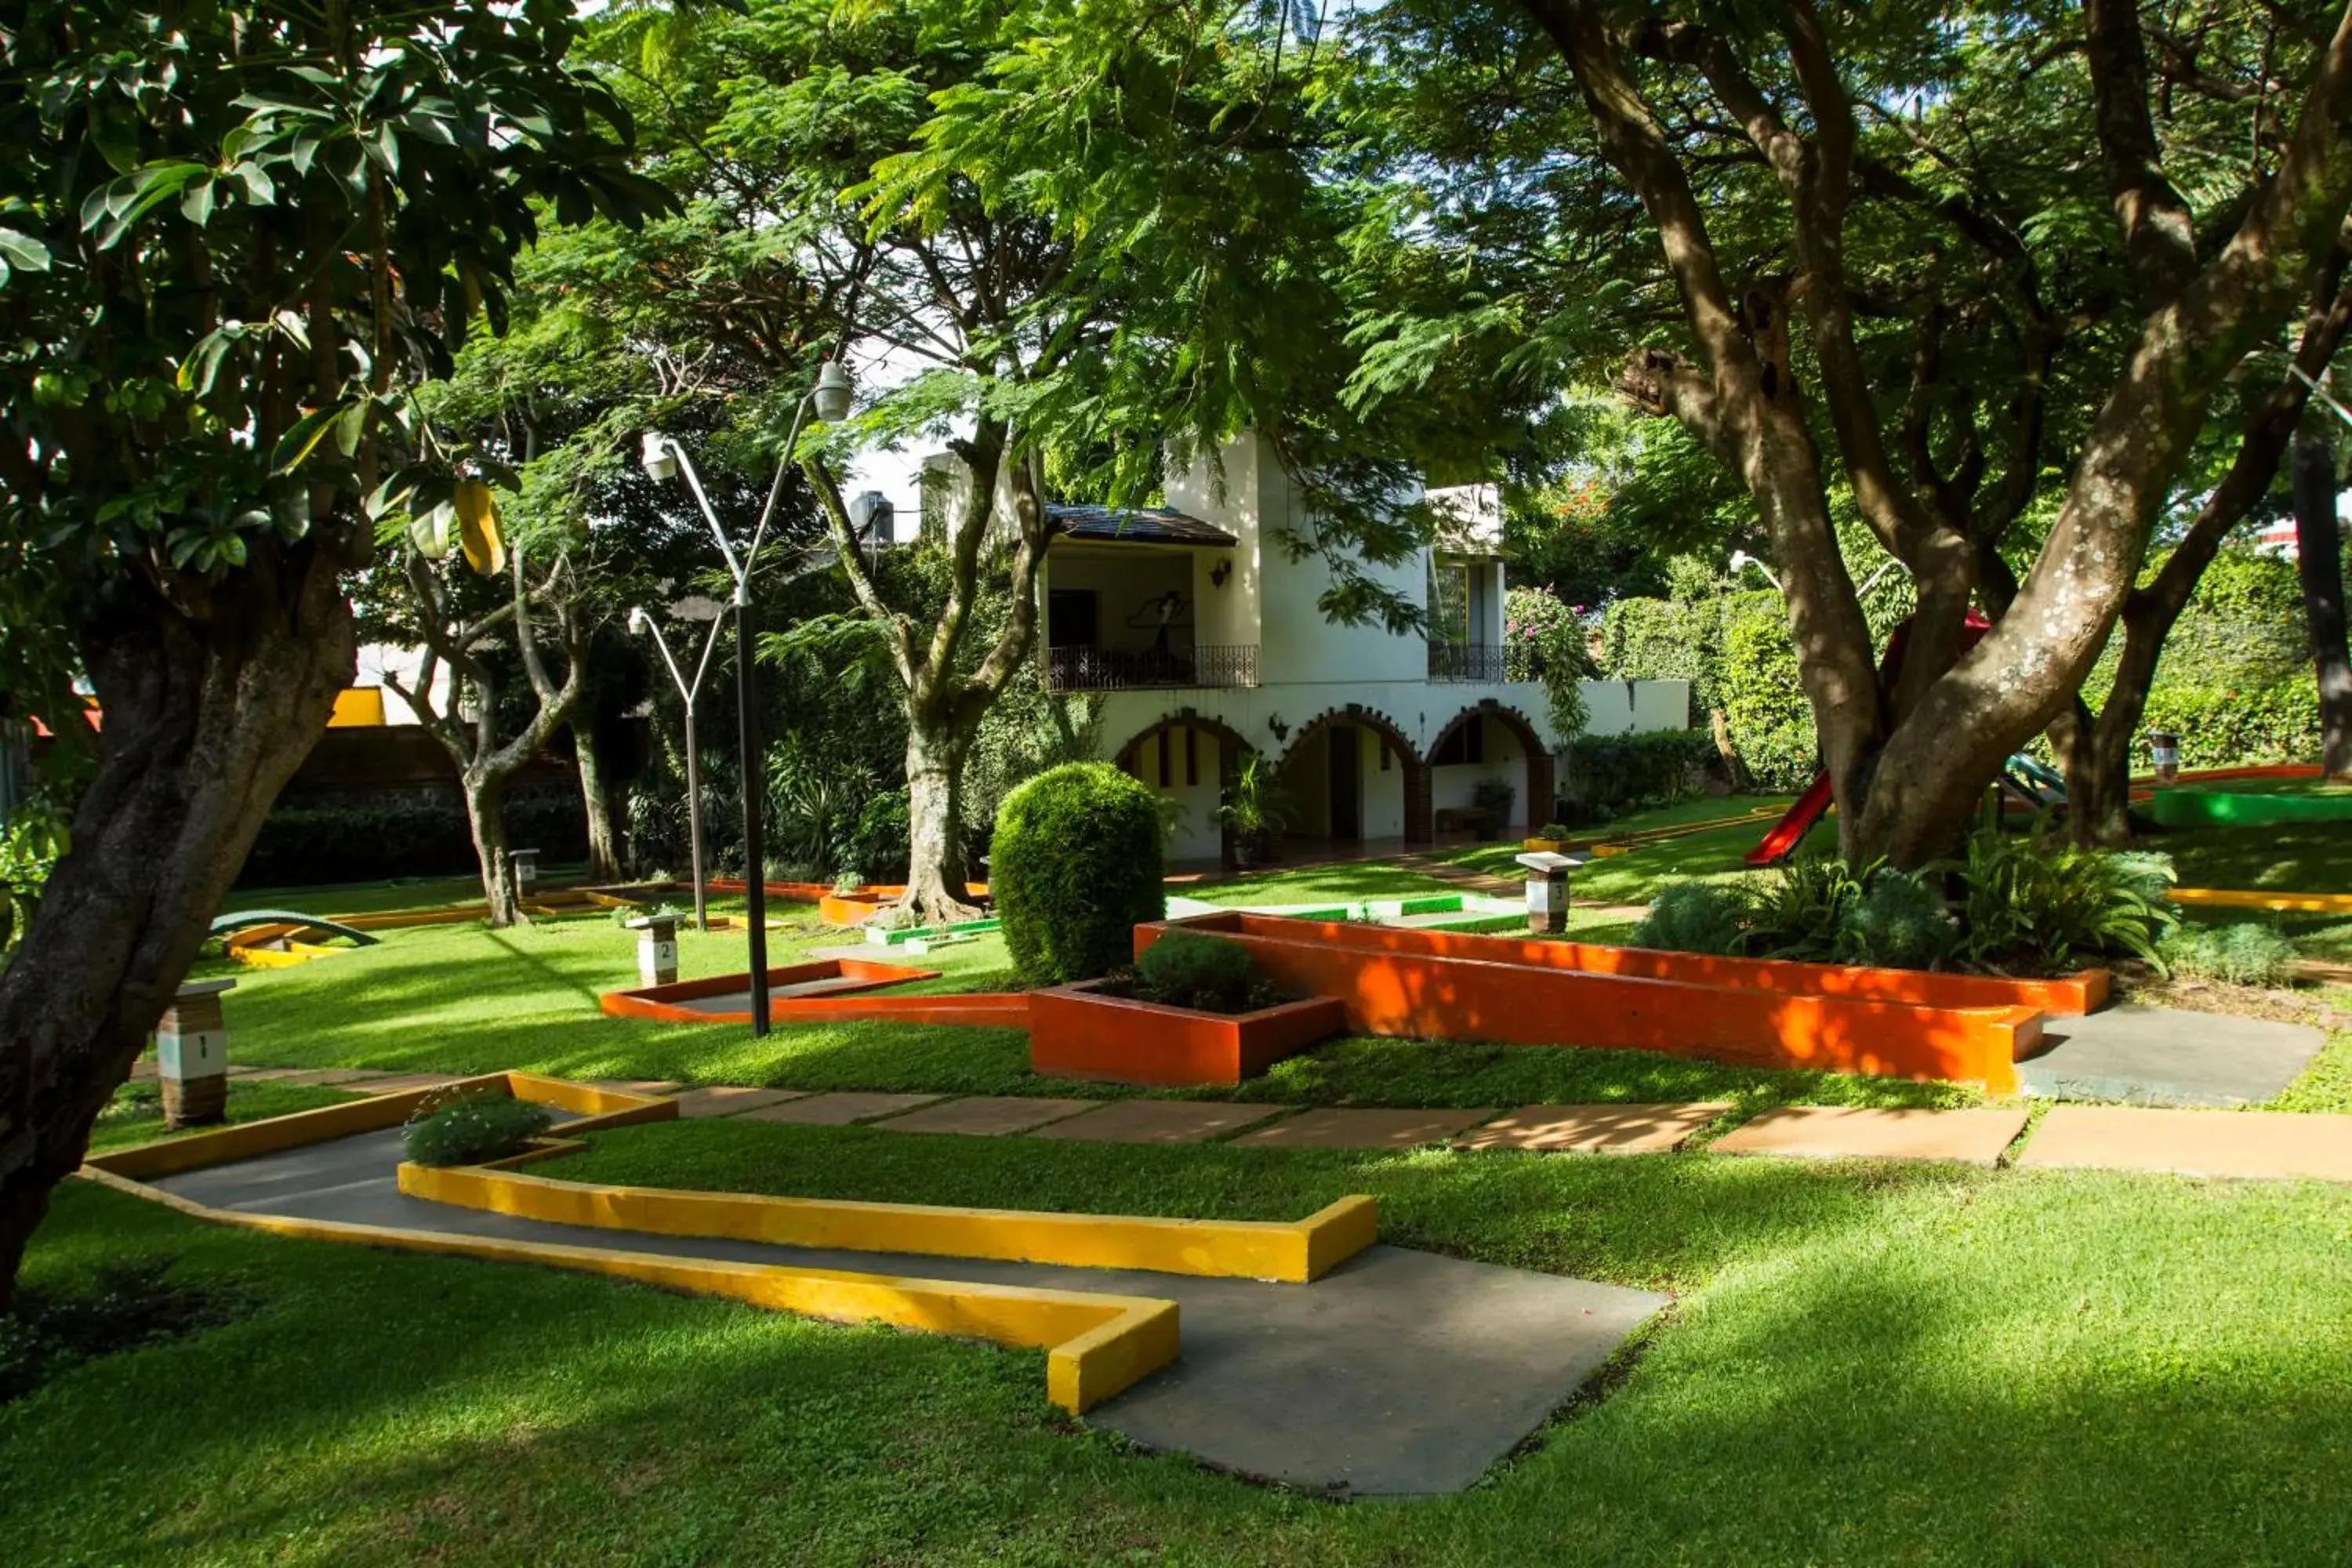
1134 525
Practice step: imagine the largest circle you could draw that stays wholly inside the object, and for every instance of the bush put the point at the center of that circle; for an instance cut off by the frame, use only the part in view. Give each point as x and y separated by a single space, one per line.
1185 969
1696 917
2247 953
476 1128
1898 922
1609 771
2037 904
1077 865
299 845
1803 911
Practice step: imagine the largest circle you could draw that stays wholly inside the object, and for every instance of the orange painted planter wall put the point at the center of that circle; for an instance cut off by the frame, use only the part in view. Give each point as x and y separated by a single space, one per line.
1409 994
1075 1032
666 1004
2067 996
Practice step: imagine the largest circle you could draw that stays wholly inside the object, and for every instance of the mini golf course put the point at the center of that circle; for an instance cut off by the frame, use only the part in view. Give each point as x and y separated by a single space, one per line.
1378 1371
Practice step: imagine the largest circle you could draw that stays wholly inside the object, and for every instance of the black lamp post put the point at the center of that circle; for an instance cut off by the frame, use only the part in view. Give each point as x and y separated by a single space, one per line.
664 458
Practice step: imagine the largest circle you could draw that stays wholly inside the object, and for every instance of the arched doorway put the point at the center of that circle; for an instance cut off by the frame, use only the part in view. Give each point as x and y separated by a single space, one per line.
1353 775
1187 759
1491 740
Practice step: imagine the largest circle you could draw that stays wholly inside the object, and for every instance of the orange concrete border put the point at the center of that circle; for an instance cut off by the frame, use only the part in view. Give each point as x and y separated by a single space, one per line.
1294 1252
666 1004
1424 994
1075 1031
2068 995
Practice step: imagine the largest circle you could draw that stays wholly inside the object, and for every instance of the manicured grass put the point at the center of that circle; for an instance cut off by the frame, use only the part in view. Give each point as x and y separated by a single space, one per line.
2288 857
135 1115
377 898
1867 1365
1346 881
1634 877
468 999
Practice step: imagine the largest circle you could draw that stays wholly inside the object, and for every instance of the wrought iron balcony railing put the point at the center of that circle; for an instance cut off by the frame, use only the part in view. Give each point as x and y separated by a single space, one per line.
1112 669
1466 661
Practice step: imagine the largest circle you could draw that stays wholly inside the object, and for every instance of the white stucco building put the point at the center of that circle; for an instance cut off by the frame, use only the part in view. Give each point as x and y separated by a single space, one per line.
1202 635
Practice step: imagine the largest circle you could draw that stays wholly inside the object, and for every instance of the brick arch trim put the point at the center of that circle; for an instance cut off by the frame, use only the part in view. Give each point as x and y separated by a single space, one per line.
1542 784
1417 817
1230 744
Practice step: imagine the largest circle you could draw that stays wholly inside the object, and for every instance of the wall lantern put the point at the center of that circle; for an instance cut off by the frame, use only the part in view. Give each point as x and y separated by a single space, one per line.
1281 730
1219 572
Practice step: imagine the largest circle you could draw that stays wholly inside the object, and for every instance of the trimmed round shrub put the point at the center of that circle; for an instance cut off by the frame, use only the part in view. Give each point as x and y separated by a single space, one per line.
476 1128
1075 865
1185 969
1898 922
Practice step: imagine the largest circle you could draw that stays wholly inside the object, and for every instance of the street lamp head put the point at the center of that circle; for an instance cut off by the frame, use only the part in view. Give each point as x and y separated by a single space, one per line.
638 620
832 393
1740 558
658 455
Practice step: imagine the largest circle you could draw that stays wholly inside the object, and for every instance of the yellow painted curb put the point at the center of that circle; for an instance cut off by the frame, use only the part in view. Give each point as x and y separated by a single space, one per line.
1289 1252
598 1108
2255 899
1095 1345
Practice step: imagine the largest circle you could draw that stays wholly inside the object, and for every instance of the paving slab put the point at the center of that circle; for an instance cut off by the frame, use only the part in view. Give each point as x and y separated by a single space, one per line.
2169 1056
1594 1129
333 1076
635 1085
726 1099
842 1108
1860 1132
1160 1121
1342 1128
272 1075
1398 1374
2250 1143
398 1081
986 1115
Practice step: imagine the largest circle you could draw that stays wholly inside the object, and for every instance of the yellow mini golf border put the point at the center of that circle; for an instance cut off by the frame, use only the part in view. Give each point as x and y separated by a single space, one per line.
1095 1345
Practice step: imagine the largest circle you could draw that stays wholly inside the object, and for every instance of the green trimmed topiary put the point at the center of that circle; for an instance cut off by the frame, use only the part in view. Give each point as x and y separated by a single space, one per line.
476 1128
1075 866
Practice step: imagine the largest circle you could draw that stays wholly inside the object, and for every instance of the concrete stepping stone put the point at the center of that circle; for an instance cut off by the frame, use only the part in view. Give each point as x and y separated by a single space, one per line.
635 1085
726 1099
840 1109
987 1115
1159 1122
334 1076
1859 1132
2250 1143
1340 1128
406 1080
273 1075
1594 1129
2167 1056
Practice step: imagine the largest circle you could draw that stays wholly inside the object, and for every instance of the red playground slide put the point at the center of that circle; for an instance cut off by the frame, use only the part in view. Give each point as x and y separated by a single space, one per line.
1790 830
1787 831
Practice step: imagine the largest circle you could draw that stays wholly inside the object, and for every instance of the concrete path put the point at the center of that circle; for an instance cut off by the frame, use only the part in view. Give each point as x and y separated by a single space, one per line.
2163 1056
1399 1372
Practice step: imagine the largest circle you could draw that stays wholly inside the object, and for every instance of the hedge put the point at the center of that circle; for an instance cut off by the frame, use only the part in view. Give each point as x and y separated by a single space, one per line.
1076 865
301 846
1607 772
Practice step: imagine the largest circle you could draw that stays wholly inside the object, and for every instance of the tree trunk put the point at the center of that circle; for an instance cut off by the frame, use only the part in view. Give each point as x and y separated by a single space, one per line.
596 798
935 879
211 702
486 813
2320 563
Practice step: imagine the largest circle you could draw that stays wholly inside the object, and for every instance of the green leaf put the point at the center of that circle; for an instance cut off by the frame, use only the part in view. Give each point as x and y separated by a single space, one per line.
197 202
350 426
296 446
23 252
259 189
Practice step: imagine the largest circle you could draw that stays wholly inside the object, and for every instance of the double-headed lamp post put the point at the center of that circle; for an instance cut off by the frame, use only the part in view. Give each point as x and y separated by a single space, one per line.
664 458
688 692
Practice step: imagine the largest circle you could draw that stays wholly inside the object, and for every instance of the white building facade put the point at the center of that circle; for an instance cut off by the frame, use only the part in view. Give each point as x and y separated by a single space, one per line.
1201 636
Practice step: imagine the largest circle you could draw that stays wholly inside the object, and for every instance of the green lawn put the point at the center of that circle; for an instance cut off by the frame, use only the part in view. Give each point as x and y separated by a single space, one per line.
1864 1364
135 1114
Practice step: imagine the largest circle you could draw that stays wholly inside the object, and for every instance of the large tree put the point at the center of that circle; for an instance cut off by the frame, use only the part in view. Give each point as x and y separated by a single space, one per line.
1931 270
235 236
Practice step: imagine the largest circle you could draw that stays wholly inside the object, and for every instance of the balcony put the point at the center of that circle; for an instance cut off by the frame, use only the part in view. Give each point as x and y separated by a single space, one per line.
1116 669
1466 661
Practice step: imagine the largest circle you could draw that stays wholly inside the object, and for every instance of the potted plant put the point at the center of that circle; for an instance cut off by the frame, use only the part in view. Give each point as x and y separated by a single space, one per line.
1550 839
1257 809
1493 798
1193 1011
